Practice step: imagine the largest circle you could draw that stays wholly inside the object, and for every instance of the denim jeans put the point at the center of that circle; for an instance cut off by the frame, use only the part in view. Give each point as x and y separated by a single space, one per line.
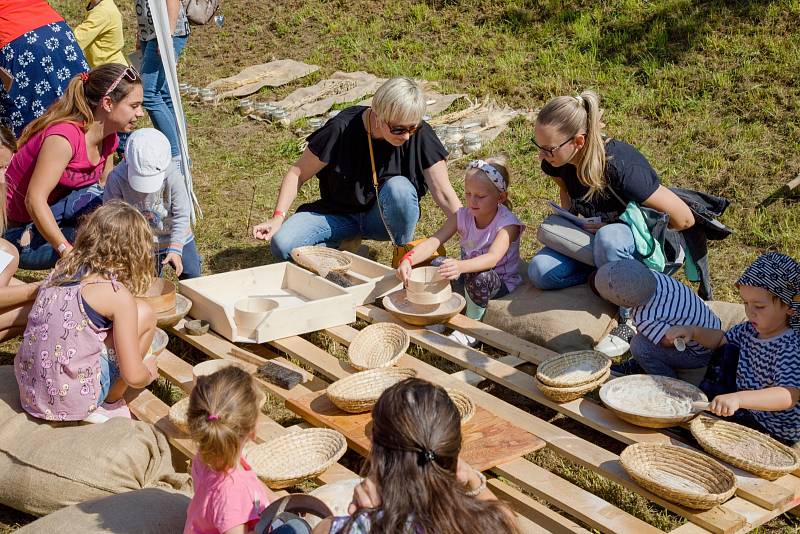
658 360
400 205
109 373
189 257
37 253
157 101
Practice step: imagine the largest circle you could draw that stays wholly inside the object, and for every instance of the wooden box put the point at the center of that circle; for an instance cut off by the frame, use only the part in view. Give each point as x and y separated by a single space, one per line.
371 280
306 302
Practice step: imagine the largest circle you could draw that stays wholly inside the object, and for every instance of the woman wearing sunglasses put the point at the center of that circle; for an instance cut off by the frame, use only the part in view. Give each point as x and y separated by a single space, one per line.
388 140
597 177
63 156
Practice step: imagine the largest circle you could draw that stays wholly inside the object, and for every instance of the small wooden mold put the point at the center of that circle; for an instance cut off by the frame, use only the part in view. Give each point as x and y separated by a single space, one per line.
425 286
250 312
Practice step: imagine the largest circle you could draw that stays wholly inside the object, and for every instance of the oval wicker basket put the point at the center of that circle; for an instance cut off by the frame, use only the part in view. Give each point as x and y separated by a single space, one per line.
177 414
464 405
679 475
317 259
294 457
359 392
744 447
378 345
573 369
572 393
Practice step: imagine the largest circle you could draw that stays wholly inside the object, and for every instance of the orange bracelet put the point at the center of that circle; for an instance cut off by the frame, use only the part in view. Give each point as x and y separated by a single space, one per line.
407 256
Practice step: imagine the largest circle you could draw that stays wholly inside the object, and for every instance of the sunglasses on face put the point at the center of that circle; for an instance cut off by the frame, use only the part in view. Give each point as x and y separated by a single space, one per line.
130 73
549 152
400 130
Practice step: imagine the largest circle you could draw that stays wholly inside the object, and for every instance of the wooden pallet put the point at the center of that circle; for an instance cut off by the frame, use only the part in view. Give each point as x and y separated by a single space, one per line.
757 500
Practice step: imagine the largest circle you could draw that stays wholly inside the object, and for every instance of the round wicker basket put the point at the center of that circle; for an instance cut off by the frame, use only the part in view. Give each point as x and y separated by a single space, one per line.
296 456
744 447
559 394
651 401
464 405
679 475
573 369
378 345
359 392
177 414
318 259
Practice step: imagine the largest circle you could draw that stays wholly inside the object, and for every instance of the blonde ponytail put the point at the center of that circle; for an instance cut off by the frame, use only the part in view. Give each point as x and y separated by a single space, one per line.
572 116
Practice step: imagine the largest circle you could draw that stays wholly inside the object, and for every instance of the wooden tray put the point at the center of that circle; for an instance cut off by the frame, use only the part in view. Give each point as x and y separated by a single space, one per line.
306 302
487 440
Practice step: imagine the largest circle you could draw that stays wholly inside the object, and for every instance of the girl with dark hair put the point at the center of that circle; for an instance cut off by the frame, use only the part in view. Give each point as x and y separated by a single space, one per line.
415 482
63 155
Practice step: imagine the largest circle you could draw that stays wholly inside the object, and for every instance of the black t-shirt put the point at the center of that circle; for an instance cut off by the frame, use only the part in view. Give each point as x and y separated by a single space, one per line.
345 183
627 172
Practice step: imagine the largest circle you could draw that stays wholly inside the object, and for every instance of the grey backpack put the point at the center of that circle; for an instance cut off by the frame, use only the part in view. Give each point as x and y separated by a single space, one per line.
200 11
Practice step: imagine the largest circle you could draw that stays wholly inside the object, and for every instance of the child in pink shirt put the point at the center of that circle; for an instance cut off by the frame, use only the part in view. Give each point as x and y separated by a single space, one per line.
228 496
489 234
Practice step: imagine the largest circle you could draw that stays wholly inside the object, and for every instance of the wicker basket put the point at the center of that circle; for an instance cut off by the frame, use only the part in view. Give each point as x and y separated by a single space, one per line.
318 259
679 475
573 369
178 412
572 393
296 456
745 448
464 405
359 392
378 345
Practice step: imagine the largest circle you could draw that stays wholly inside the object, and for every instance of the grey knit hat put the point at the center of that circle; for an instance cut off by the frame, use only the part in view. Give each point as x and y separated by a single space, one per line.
625 283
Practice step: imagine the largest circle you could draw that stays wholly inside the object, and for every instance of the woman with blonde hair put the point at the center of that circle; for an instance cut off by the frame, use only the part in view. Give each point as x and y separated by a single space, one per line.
597 177
385 148
63 155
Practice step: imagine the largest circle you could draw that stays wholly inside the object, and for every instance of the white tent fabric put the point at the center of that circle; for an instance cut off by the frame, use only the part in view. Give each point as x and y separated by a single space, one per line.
158 9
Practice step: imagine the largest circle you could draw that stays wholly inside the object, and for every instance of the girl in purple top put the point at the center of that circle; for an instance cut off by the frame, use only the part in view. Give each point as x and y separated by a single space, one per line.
63 155
86 337
489 234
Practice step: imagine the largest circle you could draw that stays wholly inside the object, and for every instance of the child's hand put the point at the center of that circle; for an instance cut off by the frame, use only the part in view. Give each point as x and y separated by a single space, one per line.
266 230
151 362
365 495
404 271
174 259
450 269
724 405
683 332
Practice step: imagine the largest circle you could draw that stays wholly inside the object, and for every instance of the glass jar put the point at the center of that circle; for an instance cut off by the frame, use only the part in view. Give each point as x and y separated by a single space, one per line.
315 123
245 106
472 143
183 87
453 149
261 110
455 134
280 116
193 94
207 96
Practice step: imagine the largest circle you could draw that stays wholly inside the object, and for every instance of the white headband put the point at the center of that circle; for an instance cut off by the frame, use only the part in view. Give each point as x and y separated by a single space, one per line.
493 174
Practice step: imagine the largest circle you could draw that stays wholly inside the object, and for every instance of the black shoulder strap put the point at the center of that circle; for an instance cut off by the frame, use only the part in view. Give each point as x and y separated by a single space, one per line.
297 504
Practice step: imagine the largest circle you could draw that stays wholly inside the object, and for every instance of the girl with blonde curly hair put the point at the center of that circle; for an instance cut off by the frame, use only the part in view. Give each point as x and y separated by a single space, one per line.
87 339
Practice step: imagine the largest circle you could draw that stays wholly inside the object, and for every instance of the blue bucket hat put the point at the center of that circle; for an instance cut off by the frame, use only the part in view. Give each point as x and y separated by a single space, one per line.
780 275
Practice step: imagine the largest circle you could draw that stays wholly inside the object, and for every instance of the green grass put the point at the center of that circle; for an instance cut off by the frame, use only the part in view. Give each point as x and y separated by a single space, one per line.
707 90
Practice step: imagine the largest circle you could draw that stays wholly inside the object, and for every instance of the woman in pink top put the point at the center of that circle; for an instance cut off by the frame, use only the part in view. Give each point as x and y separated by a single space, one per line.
489 234
64 154
228 496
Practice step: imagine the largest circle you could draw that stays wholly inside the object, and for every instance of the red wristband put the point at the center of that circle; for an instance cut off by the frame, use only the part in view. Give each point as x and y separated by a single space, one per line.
407 256
277 213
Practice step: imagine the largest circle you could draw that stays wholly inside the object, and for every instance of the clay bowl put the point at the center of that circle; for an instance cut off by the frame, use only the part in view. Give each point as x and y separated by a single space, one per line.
248 314
160 296
425 287
173 316
160 340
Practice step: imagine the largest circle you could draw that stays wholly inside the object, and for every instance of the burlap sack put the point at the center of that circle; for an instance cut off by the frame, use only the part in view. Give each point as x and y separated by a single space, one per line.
44 467
729 314
561 320
145 511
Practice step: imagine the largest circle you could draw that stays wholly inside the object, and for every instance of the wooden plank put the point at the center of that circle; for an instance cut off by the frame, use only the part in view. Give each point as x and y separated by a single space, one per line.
150 409
486 440
534 510
758 490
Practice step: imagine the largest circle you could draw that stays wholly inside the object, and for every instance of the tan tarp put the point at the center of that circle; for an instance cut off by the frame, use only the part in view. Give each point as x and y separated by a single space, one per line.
44 467
253 78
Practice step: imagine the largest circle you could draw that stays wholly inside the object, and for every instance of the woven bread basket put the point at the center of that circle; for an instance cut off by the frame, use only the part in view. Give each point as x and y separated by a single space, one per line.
744 447
573 369
178 412
317 259
294 457
679 475
464 405
568 394
359 392
378 345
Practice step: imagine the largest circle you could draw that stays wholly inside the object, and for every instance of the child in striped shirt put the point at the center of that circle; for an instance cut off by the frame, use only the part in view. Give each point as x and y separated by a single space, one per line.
657 304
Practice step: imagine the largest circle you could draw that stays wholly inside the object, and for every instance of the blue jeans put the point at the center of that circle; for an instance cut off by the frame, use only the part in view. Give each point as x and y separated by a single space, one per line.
36 253
157 101
109 373
658 360
191 261
398 199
